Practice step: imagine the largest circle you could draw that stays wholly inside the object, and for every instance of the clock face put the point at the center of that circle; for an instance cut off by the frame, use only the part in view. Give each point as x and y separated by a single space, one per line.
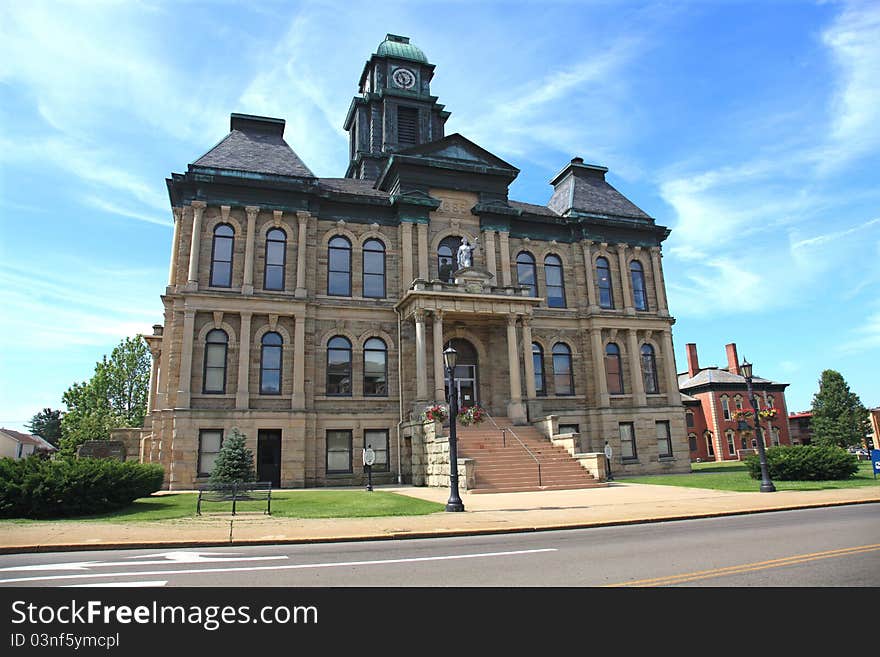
404 78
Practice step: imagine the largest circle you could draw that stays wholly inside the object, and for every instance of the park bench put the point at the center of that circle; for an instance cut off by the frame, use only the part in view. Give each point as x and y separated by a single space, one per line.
236 492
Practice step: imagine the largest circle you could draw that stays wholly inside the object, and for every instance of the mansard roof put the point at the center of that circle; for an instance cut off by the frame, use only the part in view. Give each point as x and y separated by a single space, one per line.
582 188
255 144
713 375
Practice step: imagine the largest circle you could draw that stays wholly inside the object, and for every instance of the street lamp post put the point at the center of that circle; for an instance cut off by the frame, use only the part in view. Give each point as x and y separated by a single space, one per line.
766 485
454 503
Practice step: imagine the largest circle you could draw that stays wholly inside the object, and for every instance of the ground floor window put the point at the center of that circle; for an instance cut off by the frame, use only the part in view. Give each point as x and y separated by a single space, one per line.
569 428
731 447
338 451
692 442
210 441
664 439
628 441
710 444
377 439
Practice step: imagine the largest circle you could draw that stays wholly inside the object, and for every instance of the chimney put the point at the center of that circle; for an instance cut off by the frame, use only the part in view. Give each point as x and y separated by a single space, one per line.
732 360
693 363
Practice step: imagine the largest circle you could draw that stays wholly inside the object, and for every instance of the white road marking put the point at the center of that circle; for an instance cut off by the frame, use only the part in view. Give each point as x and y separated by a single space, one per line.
377 562
155 582
170 558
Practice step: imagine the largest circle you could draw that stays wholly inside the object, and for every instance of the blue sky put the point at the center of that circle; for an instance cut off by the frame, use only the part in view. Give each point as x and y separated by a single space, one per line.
751 129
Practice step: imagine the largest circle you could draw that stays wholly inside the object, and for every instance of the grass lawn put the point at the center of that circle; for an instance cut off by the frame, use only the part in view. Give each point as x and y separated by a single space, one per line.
285 504
734 476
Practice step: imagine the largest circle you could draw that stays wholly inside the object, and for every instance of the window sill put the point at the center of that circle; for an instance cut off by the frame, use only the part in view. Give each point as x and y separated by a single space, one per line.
666 459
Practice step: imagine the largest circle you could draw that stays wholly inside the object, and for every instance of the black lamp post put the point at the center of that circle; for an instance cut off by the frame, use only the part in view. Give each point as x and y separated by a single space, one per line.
454 503
766 485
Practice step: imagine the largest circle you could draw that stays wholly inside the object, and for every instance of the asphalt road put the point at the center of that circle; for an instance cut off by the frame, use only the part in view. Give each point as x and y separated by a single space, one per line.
826 547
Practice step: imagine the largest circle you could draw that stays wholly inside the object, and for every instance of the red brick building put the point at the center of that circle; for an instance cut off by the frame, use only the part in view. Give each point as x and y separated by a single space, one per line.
799 427
713 396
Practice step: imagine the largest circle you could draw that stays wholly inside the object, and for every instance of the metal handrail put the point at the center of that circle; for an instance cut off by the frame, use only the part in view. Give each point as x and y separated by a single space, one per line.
522 444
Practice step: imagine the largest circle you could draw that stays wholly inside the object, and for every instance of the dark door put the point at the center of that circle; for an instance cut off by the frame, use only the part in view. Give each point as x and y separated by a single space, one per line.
269 456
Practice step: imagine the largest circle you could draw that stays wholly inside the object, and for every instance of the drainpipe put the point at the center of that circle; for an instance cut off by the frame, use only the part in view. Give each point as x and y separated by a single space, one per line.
399 396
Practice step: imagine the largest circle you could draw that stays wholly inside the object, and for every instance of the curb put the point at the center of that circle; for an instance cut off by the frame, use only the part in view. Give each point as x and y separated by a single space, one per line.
396 536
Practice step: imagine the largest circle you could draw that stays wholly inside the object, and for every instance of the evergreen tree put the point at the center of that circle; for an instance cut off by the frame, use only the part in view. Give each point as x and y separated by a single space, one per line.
839 418
47 425
235 462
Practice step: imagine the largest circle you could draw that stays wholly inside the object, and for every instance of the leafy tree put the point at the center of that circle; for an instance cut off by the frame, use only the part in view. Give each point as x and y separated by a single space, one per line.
235 462
115 396
47 425
839 418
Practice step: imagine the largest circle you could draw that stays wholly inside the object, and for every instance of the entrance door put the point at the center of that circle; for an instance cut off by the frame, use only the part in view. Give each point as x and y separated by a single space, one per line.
269 456
465 374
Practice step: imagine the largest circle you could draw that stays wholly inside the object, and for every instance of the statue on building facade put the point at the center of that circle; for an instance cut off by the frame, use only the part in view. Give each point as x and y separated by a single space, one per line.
466 253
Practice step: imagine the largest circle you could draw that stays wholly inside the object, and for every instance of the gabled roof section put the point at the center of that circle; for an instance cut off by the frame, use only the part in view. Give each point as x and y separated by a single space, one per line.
255 144
712 375
582 188
456 148
29 439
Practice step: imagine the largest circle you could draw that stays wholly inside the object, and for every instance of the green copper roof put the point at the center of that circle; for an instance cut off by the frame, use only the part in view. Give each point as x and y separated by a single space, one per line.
399 46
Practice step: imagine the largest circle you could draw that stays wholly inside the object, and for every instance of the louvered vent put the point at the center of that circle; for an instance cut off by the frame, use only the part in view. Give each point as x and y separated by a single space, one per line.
407 126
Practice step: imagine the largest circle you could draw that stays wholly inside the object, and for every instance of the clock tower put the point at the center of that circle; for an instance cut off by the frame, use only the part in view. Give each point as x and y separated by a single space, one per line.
395 109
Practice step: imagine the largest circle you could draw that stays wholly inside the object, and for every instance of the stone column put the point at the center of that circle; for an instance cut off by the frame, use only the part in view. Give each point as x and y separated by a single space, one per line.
635 366
242 395
186 355
175 244
421 371
198 208
422 230
587 246
489 249
673 395
439 369
299 363
154 379
303 219
505 257
659 286
624 280
247 285
406 260
515 410
599 367
528 361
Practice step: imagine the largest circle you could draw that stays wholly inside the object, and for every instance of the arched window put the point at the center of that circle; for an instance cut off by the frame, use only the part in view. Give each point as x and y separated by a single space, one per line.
374 269
538 361
563 375
339 366
339 267
525 272
731 447
689 419
769 401
375 368
214 380
692 442
270 364
738 402
554 280
637 276
603 280
649 370
725 406
613 369
221 256
710 444
447 253
276 258
775 433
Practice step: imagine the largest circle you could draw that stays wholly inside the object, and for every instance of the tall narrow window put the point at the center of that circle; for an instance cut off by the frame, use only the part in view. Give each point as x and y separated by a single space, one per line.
637 276
692 442
628 449
210 441
769 401
446 258
689 419
664 439
554 280
525 272
538 363
710 444
731 446
649 370
216 343
603 280
775 434
613 369
276 255
374 269
221 256
339 366
377 440
339 267
270 364
725 407
738 402
338 451
407 126
375 368
563 375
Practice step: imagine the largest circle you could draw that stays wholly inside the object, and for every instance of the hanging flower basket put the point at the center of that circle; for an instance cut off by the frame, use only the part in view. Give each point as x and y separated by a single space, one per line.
471 415
742 414
435 413
767 413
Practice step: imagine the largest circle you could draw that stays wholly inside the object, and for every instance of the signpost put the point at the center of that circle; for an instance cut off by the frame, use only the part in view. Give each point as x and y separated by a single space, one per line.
369 459
875 461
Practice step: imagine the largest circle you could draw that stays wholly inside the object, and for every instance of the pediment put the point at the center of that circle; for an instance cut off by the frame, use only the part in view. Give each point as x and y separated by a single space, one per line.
458 149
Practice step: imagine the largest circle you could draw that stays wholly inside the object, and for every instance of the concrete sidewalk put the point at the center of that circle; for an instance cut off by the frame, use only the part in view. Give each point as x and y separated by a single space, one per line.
619 503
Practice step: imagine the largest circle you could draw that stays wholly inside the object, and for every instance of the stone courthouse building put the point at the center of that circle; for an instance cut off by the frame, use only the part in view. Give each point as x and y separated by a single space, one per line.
311 313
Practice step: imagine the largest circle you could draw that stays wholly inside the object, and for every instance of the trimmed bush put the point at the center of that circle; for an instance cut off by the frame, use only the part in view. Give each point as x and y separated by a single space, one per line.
805 463
36 488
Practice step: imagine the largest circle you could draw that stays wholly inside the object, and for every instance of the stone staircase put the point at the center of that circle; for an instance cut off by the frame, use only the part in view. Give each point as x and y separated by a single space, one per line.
507 467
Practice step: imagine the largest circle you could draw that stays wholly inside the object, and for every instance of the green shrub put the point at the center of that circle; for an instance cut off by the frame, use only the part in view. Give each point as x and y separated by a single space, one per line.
805 463
36 488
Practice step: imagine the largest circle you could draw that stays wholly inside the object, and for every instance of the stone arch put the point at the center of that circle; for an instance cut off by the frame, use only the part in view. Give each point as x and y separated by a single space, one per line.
441 235
374 333
373 234
283 225
265 328
212 223
333 332
210 326
340 231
